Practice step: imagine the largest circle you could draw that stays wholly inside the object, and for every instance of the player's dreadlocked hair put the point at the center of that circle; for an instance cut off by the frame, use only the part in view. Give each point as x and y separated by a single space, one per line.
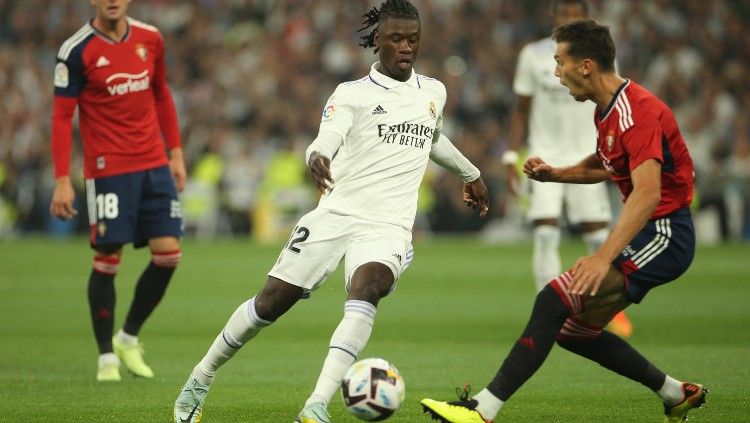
401 9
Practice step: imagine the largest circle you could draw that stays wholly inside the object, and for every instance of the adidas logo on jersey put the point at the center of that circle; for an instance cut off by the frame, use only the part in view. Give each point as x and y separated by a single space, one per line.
379 110
102 62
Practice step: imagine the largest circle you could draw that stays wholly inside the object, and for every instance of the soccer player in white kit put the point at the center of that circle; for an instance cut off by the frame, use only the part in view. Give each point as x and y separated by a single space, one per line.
376 137
561 129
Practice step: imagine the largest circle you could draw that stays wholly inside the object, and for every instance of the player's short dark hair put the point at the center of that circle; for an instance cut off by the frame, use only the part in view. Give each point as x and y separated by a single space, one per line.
588 40
557 3
400 9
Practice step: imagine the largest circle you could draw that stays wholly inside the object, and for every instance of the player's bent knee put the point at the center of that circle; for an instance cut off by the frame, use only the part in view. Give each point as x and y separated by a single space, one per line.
371 282
276 298
560 286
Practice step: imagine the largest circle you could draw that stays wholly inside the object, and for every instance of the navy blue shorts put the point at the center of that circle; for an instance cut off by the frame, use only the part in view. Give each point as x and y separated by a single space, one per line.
133 207
659 253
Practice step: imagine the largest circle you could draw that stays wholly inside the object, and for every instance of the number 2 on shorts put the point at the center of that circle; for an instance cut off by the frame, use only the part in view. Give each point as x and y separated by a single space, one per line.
303 233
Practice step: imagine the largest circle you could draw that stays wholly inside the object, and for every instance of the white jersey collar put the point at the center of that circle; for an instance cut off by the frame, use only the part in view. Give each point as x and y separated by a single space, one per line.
387 82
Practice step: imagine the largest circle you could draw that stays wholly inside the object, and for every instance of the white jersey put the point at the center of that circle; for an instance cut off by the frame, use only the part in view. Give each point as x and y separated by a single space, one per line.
561 129
388 127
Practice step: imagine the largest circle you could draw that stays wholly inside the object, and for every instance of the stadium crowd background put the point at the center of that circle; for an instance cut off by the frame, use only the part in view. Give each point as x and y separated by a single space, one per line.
250 78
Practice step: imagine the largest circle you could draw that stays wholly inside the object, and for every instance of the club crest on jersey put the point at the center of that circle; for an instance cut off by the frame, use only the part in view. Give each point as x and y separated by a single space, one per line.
610 141
101 228
141 51
433 110
328 112
61 75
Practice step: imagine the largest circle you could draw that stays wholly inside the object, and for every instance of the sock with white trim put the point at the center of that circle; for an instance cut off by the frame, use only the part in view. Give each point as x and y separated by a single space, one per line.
488 405
126 338
241 327
671 391
348 340
546 258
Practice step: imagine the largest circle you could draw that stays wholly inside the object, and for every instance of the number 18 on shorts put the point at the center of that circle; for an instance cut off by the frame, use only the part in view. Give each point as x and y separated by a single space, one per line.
133 207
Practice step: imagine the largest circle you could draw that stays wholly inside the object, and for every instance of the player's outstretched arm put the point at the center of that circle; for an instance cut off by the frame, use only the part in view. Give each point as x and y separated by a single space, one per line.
587 171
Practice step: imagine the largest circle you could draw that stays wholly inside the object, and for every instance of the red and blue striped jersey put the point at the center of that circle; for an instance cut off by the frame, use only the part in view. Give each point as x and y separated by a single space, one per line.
635 127
124 103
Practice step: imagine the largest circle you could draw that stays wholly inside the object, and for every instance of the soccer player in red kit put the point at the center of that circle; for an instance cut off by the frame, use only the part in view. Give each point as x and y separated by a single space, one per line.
113 70
640 148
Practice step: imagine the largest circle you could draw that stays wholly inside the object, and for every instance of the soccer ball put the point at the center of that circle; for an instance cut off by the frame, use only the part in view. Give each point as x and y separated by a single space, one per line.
373 389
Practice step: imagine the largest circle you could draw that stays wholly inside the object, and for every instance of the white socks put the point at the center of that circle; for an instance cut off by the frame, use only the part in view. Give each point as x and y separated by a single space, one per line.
488 404
242 326
595 239
671 391
348 340
546 258
125 338
108 358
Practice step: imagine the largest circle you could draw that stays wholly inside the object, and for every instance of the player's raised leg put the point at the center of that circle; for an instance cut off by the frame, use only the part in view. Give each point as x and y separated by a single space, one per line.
275 299
101 296
369 284
150 289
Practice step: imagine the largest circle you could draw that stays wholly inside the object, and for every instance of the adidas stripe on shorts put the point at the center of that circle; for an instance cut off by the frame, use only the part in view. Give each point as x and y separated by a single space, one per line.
659 253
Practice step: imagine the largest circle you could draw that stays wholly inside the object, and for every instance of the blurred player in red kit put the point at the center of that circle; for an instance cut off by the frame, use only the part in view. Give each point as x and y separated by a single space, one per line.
113 70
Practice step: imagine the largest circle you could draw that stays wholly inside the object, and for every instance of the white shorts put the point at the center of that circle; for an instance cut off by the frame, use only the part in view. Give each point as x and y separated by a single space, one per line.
583 202
322 238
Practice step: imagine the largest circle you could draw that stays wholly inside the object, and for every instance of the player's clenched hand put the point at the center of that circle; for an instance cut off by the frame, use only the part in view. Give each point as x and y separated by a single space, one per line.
62 199
535 168
320 168
177 168
588 274
476 196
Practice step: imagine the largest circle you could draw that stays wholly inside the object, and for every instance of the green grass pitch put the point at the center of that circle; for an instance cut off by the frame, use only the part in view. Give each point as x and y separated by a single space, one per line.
454 316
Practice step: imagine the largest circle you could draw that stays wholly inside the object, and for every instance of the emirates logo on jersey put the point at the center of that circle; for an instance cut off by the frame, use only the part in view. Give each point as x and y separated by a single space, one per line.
124 83
141 51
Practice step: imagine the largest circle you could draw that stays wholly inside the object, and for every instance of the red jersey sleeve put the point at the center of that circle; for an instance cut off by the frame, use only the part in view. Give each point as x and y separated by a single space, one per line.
62 137
643 142
165 108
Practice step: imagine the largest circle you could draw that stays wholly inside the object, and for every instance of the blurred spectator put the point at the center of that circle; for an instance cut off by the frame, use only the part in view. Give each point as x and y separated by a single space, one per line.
256 72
